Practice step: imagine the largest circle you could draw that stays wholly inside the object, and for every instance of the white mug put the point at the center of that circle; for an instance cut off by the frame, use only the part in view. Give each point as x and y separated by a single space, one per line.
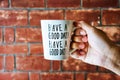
56 35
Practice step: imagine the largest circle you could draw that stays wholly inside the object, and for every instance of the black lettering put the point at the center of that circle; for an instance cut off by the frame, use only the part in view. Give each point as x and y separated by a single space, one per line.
61 44
53 28
62 51
64 35
60 28
65 27
65 45
53 52
50 44
53 35
49 27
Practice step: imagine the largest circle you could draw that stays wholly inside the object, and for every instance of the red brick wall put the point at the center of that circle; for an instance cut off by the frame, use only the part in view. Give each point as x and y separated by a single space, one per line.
21 51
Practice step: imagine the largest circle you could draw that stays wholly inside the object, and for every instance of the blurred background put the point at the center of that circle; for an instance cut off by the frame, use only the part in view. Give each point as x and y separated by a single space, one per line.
21 50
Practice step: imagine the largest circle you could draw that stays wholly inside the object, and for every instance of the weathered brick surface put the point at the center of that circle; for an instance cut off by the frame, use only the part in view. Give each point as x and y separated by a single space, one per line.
64 3
34 76
1 62
100 3
57 76
28 35
28 3
9 65
90 16
36 16
56 65
103 69
13 18
1 38
76 65
3 3
111 17
32 63
9 35
36 49
13 76
13 49
79 76
102 76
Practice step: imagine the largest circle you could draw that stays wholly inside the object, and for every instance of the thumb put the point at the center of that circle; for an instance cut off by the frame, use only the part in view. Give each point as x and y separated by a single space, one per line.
86 27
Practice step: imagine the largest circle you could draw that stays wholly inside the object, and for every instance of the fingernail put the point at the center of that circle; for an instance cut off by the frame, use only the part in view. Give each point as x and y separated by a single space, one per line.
85 39
82 32
82 46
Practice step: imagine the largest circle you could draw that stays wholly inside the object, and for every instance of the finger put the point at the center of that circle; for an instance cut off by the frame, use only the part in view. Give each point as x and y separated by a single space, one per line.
80 31
77 45
75 23
80 38
86 26
77 38
86 47
84 39
78 54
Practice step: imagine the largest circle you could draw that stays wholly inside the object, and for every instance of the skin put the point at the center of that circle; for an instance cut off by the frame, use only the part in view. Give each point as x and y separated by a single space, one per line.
93 46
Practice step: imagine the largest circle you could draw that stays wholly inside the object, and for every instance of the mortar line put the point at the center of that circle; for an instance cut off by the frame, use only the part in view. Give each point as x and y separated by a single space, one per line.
9 3
28 46
3 34
14 35
119 4
28 18
4 64
28 75
74 77
15 66
81 4
64 14
45 3
85 75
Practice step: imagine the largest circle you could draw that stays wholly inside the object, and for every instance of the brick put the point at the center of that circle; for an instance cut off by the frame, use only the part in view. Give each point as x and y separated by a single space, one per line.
36 16
33 63
28 3
28 35
35 76
113 32
13 49
76 65
1 35
36 49
102 76
56 65
90 16
111 17
9 65
13 18
1 62
9 35
57 76
100 3
36 35
3 3
103 69
64 3
13 76
79 76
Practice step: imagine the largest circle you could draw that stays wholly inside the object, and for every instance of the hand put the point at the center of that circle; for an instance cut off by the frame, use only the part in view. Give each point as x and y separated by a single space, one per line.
99 50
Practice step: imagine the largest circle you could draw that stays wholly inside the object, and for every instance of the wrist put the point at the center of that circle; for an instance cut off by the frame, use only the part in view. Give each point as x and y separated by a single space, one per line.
113 63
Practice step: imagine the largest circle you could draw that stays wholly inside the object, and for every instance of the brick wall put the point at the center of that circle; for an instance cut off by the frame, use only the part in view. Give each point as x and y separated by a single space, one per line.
21 50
